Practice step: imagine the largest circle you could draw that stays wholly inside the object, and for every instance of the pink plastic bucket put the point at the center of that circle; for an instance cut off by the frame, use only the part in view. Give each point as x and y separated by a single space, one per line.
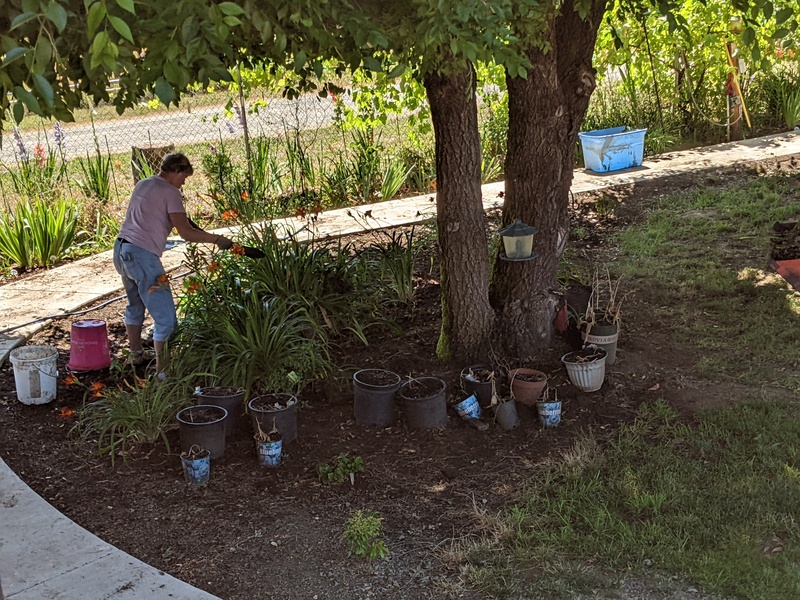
88 348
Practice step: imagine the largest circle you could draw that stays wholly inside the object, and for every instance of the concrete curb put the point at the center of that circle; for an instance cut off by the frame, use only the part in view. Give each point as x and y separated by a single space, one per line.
44 555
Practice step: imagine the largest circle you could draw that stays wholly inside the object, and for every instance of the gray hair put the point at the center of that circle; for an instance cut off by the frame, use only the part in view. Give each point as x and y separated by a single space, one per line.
176 162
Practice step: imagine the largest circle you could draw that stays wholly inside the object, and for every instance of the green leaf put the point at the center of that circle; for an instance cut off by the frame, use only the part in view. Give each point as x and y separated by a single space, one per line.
22 19
30 101
189 30
372 63
45 89
19 112
780 33
230 8
121 27
96 14
127 5
377 39
99 50
100 42
172 71
164 91
44 52
397 71
748 36
299 61
231 21
782 15
13 55
172 51
57 15
109 61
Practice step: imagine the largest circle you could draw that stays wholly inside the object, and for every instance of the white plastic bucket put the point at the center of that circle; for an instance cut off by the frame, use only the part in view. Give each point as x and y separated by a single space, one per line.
35 373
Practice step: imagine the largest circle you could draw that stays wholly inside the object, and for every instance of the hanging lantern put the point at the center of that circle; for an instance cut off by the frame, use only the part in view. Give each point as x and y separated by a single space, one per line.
518 241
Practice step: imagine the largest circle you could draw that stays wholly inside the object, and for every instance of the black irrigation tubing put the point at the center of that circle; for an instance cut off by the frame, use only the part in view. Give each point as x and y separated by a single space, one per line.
78 312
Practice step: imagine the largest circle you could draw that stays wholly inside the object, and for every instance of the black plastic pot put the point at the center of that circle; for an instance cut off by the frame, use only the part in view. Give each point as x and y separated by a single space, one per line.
481 389
577 297
373 397
277 409
424 403
229 398
204 426
605 336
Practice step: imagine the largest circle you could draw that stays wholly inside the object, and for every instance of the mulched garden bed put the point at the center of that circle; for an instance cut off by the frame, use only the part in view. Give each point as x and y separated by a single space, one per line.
256 532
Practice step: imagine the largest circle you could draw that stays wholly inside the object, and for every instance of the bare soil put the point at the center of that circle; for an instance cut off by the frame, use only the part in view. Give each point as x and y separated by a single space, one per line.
256 532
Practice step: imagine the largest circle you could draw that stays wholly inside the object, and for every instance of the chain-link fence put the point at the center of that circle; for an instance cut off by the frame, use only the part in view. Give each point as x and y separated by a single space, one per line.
201 119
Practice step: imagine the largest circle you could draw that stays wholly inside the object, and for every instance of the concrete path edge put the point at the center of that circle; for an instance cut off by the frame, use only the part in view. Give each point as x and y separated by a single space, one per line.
54 558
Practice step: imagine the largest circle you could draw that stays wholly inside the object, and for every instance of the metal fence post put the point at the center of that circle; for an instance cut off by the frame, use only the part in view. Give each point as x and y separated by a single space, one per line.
243 117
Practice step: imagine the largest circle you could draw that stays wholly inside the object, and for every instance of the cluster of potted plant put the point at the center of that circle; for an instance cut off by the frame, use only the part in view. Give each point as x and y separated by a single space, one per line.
218 413
483 383
597 318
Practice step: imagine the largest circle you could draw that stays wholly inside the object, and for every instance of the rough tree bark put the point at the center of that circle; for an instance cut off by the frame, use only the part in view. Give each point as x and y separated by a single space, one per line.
544 112
467 316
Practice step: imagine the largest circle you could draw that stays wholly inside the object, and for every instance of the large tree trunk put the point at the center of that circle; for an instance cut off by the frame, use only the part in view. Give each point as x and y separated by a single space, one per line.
467 316
544 116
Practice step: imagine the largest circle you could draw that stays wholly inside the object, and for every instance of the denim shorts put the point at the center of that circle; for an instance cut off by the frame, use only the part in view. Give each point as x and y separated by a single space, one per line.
140 271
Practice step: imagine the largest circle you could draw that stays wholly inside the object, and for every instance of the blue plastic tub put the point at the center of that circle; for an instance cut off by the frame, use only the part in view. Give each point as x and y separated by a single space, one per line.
612 149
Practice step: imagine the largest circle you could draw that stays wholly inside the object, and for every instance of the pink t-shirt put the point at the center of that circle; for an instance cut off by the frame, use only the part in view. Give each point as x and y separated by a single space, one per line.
147 222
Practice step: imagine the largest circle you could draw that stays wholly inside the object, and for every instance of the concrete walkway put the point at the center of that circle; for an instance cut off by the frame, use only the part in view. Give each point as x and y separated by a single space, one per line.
43 554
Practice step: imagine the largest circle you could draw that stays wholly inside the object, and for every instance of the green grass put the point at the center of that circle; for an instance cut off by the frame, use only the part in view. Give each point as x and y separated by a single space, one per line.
704 254
709 501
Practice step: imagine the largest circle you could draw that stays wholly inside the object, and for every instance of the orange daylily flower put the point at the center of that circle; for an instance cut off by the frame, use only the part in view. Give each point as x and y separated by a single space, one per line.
71 380
237 249
230 214
66 413
162 282
96 388
244 195
192 286
213 266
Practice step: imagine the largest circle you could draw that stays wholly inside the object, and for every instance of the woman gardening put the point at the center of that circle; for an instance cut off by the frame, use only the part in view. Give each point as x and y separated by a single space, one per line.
156 206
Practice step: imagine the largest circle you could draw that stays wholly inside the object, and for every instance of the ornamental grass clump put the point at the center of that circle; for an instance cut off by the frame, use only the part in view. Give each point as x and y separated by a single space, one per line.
40 233
130 414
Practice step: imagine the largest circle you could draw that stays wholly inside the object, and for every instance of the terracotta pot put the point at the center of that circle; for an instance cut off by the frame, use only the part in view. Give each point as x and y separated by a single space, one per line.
527 392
